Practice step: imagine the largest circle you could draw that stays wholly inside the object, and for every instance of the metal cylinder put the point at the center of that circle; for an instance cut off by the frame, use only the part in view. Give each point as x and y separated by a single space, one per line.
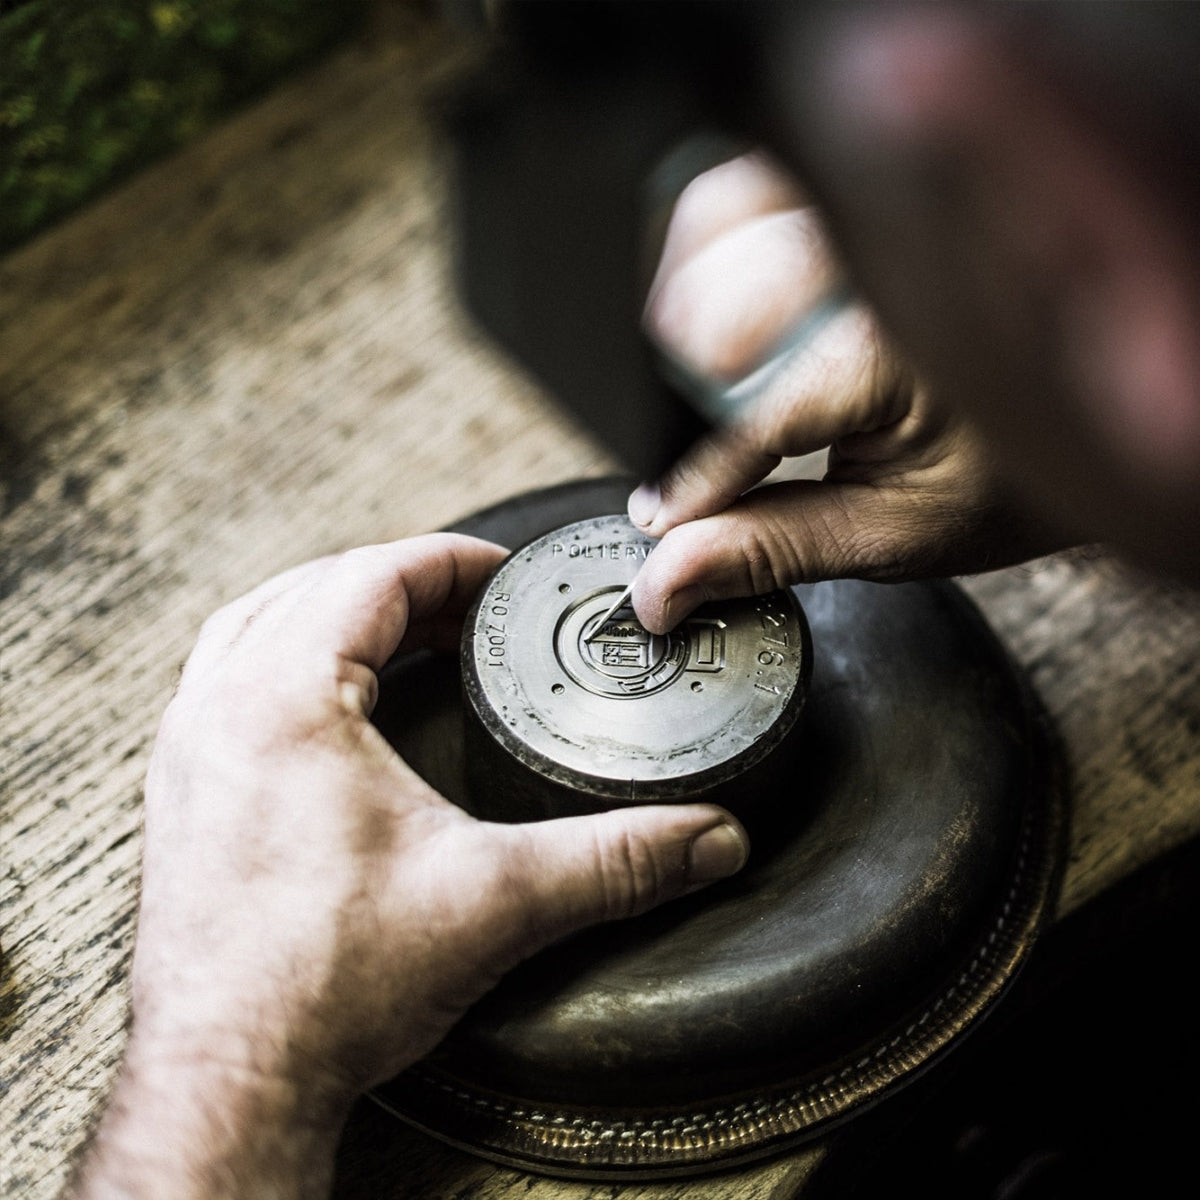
569 712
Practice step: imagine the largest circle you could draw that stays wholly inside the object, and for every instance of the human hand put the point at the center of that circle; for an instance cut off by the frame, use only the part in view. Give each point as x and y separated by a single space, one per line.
314 917
908 489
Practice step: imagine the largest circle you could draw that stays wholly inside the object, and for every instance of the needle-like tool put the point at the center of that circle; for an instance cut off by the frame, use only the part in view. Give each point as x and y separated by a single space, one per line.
721 404
622 599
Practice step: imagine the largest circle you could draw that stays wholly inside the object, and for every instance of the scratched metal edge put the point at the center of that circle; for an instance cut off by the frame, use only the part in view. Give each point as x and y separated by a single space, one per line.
615 1144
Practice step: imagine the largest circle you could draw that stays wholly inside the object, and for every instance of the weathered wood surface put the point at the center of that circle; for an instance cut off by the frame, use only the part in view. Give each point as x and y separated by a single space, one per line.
249 357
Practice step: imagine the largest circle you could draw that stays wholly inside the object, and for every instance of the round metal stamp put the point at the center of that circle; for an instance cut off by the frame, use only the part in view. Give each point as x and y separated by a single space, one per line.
572 707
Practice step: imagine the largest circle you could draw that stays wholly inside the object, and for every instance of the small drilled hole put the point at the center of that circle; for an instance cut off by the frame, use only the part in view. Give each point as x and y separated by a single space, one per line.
697 686
558 689
564 588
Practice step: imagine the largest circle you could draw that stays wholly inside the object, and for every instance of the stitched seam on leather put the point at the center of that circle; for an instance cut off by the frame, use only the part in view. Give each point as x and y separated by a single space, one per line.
790 1104
569 1140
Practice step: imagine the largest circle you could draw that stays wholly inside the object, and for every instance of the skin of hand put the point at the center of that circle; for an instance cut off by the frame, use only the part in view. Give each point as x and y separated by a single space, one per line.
908 490
314 917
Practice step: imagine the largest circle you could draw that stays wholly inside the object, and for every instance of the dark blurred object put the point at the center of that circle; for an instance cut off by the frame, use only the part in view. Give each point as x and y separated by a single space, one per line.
586 118
1074 1090
92 89
583 121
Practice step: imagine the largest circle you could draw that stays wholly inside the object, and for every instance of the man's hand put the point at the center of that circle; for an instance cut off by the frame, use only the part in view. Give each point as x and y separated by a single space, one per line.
908 491
314 918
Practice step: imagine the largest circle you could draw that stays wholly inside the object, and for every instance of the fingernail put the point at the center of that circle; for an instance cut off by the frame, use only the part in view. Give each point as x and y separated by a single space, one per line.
716 854
644 504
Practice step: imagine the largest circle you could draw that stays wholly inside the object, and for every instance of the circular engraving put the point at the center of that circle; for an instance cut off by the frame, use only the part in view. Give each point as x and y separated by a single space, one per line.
589 699
616 657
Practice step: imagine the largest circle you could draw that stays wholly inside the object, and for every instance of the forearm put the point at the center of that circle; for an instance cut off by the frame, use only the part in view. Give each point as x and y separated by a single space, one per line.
173 1131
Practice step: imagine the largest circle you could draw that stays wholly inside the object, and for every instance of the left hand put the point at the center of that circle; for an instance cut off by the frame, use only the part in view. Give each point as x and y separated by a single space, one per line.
314 917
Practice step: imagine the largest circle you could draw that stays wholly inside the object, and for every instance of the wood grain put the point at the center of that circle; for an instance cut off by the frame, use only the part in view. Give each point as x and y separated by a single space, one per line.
251 356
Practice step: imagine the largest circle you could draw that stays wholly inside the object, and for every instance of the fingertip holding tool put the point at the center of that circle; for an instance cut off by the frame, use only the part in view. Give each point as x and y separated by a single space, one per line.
621 600
721 405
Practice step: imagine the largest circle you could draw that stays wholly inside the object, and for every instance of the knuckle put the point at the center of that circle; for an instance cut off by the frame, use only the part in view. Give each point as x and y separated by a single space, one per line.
770 553
772 422
631 876
686 485
360 560
867 373
884 388
216 623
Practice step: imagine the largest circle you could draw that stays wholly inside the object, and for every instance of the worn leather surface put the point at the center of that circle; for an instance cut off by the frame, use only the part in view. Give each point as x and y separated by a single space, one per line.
874 880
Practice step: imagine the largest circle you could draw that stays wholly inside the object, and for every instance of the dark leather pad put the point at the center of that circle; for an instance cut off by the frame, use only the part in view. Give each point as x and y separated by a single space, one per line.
892 890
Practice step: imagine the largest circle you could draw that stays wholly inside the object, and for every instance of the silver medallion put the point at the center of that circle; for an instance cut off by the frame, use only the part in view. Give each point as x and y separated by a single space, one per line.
578 707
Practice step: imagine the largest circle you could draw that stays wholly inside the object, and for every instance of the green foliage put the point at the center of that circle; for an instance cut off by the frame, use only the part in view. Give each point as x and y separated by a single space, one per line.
92 89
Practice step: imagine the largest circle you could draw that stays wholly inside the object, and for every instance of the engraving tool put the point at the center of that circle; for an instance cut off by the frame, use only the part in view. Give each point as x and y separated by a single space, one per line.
622 599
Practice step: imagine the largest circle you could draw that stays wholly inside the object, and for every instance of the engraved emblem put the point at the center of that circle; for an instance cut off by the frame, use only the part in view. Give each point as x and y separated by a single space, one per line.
621 644
623 659
558 666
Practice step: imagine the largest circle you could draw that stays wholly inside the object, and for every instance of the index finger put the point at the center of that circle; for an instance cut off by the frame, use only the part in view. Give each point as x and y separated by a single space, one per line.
845 381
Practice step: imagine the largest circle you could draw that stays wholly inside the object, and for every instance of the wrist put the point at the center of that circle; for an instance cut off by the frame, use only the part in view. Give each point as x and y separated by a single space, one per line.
181 1124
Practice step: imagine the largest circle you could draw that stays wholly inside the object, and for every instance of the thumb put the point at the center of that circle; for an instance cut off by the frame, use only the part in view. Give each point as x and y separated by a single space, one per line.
620 863
794 532
941 518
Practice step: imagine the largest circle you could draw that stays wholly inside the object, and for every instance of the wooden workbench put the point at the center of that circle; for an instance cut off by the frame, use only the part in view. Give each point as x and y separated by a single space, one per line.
248 357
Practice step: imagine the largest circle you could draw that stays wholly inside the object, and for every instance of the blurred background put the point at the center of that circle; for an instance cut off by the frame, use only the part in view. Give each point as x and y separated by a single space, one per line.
91 90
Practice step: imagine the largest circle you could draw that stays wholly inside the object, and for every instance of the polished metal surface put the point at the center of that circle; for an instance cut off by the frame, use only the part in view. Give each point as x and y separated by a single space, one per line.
899 874
578 707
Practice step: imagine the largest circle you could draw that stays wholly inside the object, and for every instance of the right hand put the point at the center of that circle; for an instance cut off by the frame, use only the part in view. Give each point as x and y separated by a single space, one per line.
908 490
